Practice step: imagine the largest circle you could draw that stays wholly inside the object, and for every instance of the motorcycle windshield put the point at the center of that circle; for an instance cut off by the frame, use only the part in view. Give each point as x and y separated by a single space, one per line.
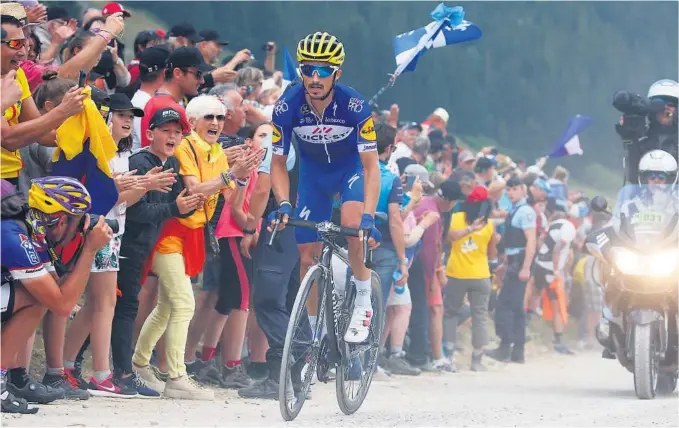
646 216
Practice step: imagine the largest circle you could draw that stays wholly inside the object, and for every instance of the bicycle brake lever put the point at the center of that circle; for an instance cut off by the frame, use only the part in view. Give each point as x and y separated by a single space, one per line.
274 231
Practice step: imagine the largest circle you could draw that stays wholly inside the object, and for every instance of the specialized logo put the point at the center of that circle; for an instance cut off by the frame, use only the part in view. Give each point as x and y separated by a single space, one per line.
304 213
323 134
368 130
355 105
334 108
27 245
280 107
353 179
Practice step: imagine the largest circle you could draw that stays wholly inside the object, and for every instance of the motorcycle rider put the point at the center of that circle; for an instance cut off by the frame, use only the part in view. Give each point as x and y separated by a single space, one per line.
657 178
658 131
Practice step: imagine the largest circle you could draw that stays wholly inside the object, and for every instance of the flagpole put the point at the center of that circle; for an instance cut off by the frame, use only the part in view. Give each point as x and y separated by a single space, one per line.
388 85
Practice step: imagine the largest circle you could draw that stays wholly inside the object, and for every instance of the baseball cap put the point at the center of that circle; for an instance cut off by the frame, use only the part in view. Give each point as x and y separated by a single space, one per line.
412 125
211 36
56 12
514 181
403 163
420 172
442 113
484 164
466 156
185 57
120 102
183 30
153 59
165 115
101 98
450 190
114 7
542 184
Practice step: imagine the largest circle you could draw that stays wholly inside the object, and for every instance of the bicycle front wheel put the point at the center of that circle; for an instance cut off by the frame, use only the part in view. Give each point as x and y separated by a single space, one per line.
302 347
359 361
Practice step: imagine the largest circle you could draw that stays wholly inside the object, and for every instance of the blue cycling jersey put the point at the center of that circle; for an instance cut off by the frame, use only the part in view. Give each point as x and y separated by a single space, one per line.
22 256
344 130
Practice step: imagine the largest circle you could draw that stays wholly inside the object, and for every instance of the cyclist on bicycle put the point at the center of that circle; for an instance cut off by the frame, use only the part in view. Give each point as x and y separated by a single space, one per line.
338 154
30 287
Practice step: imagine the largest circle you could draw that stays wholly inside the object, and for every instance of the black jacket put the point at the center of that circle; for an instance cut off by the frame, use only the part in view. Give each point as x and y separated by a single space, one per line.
146 217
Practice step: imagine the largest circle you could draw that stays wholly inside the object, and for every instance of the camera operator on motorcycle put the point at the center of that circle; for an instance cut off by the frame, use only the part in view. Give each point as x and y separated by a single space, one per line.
55 215
648 124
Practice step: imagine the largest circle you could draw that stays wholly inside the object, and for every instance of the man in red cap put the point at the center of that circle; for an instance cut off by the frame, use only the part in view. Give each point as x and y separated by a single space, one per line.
115 7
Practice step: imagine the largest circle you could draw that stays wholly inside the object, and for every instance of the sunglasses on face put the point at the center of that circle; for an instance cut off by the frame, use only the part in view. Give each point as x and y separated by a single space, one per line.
656 175
211 117
322 71
197 73
15 44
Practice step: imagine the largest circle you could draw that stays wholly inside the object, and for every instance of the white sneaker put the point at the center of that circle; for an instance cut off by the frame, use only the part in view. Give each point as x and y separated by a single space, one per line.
185 388
359 326
147 375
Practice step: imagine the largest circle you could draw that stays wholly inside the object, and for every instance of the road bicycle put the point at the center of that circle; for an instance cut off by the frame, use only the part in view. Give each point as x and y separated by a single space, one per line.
306 354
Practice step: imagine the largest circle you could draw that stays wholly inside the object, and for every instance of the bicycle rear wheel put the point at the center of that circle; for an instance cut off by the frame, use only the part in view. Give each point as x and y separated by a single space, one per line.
363 355
301 349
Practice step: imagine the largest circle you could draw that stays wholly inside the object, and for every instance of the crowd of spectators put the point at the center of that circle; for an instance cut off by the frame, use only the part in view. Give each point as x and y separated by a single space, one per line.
485 237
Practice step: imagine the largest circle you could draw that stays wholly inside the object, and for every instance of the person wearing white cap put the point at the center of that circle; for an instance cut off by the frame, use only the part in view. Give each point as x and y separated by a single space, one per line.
438 119
268 95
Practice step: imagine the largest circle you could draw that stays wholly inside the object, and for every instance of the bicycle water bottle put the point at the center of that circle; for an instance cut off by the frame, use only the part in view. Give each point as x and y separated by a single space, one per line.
398 289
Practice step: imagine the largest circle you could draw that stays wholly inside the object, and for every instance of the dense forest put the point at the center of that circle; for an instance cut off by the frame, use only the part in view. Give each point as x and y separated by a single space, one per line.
538 63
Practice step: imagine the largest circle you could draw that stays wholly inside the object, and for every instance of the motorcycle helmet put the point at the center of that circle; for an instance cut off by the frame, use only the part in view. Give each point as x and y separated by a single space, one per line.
656 164
665 89
667 92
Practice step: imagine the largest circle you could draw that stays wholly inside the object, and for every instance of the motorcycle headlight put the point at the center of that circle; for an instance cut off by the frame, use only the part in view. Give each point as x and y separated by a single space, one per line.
659 264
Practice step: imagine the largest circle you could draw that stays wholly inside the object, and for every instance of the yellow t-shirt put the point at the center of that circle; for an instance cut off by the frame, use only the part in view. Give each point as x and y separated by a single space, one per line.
469 255
11 160
211 162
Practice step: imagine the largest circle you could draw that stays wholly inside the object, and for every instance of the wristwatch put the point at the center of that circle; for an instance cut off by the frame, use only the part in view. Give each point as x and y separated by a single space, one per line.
249 231
404 262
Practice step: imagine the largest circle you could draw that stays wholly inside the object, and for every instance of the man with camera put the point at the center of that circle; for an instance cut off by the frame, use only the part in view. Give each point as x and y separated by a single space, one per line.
647 124
55 215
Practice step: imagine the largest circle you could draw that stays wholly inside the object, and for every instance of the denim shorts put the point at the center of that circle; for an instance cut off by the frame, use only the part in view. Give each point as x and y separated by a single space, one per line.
211 271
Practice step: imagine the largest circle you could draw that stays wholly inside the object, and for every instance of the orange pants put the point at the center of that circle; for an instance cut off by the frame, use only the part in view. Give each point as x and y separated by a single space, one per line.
555 291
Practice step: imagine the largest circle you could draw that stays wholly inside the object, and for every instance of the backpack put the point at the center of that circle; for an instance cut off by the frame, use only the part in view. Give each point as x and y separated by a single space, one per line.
14 204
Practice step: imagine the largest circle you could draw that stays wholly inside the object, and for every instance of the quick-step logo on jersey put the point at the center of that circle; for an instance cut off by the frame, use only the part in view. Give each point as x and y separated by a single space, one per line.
324 134
29 249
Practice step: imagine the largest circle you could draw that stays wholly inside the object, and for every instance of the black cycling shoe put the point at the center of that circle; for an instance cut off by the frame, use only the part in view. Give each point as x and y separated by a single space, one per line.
12 404
21 385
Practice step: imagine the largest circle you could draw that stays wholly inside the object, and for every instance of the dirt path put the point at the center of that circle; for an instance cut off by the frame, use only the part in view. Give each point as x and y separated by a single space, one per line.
551 391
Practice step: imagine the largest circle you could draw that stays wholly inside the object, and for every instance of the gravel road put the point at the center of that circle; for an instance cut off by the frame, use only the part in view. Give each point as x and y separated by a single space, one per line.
550 391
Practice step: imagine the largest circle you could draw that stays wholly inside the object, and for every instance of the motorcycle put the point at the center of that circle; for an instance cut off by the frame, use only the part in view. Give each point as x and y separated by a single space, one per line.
638 256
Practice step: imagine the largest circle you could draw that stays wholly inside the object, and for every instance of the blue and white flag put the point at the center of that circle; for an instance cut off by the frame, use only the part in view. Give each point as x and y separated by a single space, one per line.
569 143
448 28
289 69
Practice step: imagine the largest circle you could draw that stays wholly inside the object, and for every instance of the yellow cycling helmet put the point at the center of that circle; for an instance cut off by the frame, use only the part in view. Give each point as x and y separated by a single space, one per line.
51 195
321 47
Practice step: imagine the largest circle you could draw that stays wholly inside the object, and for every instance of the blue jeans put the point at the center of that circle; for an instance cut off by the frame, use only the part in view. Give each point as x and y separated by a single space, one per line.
385 263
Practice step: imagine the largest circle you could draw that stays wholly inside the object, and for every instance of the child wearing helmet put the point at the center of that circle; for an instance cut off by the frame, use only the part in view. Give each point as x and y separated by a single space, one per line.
57 213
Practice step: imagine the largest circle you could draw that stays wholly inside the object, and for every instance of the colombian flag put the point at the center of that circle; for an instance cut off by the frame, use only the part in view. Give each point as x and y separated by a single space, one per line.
85 148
